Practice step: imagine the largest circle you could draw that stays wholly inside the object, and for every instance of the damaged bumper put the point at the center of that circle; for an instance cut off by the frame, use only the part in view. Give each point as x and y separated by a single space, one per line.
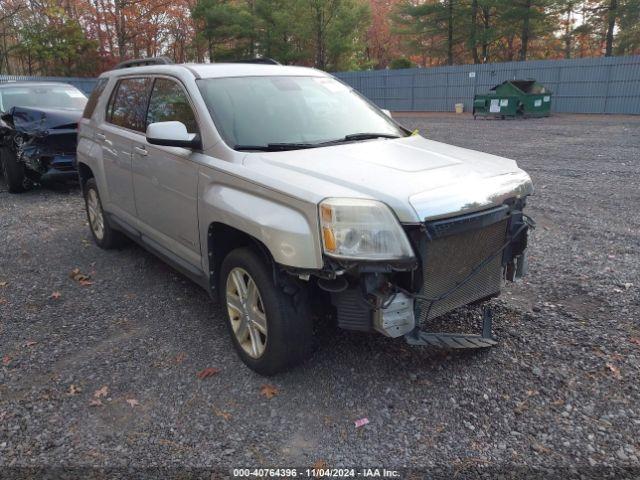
44 141
61 168
460 261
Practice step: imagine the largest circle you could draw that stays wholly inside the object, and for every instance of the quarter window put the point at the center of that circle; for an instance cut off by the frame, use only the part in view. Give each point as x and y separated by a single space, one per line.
169 103
94 97
129 103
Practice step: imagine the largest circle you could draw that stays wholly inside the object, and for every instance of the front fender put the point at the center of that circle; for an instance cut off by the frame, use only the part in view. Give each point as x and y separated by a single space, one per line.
286 226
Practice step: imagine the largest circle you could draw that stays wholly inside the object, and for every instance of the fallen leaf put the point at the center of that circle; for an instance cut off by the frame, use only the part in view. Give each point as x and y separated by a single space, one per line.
3 301
521 407
74 390
30 343
4 284
207 372
74 274
6 360
95 402
130 296
181 357
268 391
55 295
615 371
635 340
361 422
538 447
101 392
220 413
133 402
320 465
77 276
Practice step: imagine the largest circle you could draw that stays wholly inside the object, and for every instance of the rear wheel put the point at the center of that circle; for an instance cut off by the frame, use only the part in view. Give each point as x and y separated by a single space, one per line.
13 171
270 324
103 234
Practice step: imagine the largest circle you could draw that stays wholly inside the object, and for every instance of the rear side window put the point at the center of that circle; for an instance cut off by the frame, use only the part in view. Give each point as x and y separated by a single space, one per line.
128 104
169 103
94 97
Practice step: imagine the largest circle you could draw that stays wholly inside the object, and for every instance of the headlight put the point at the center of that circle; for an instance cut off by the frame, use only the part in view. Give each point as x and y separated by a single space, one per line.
361 229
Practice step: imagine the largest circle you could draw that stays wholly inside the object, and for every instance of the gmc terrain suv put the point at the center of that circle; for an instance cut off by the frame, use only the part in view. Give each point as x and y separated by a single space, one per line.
287 195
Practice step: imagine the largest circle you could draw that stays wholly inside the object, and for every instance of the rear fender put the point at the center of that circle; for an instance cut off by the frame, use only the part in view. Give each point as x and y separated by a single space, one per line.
89 153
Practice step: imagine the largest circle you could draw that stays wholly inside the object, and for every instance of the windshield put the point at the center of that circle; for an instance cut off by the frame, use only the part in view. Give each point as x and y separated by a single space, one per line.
42 96
283 110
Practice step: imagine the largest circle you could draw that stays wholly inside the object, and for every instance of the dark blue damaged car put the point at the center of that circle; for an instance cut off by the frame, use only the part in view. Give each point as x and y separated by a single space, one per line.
38 133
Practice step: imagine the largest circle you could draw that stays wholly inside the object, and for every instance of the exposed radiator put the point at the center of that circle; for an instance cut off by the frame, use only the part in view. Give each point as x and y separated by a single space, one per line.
447 260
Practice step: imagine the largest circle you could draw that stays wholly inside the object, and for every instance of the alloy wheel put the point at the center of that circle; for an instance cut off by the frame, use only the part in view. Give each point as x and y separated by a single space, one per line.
246 312
96 219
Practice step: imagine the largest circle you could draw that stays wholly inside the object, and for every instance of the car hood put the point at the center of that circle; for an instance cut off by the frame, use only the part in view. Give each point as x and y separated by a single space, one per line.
420 179
35 120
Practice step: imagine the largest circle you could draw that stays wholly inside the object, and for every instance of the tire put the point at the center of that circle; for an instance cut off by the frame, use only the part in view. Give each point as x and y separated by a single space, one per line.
103 234
282 310
13 171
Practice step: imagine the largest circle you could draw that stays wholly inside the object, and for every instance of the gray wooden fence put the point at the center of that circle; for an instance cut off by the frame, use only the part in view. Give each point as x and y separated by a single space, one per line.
81 83
585 85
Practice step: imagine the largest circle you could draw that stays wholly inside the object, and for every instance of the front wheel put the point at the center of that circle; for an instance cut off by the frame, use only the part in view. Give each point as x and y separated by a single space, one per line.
13 171
270 324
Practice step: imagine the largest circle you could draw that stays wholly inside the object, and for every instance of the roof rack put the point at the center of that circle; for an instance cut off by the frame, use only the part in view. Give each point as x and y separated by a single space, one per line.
261 60
141 62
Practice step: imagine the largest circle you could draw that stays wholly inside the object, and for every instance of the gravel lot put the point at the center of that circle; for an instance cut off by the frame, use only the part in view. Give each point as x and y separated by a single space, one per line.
105 374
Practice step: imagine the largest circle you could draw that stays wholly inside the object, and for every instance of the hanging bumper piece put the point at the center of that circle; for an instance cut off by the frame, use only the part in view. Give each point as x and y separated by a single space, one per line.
418 337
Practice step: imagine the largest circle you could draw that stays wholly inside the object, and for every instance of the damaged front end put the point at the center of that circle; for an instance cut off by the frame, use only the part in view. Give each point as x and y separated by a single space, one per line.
43 140
457 261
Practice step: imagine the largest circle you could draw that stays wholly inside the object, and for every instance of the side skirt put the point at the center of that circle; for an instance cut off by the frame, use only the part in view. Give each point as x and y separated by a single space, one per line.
192 273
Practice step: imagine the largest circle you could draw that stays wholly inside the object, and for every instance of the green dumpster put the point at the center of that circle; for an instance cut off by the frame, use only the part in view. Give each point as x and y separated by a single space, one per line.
493 105
530 99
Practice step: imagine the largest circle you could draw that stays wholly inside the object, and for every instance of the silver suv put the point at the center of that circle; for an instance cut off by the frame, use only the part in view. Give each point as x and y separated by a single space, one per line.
290 197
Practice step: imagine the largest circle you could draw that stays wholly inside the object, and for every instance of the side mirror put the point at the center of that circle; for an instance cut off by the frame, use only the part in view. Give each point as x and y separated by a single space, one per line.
387 112
172 134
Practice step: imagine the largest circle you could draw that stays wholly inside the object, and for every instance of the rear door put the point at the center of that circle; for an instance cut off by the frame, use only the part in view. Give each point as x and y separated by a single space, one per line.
165 179
124 124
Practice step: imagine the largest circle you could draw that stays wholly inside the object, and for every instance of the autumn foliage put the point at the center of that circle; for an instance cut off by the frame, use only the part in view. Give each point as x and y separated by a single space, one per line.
85 37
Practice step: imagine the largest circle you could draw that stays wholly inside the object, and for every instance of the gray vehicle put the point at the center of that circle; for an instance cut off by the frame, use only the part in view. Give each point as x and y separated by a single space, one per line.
38 129
289 196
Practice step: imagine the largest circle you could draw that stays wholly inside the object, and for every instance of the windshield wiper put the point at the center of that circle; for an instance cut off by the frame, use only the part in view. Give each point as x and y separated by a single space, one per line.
281 147
354 137
367 136
275 147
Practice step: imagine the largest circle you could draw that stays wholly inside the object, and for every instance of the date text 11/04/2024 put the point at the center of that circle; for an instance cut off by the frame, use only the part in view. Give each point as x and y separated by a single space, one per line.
315 472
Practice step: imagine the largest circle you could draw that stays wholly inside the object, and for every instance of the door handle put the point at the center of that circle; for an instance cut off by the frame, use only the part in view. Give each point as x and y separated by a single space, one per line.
141 151
103 137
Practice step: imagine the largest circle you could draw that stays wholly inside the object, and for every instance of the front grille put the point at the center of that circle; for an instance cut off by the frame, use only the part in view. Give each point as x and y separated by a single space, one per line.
448 260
